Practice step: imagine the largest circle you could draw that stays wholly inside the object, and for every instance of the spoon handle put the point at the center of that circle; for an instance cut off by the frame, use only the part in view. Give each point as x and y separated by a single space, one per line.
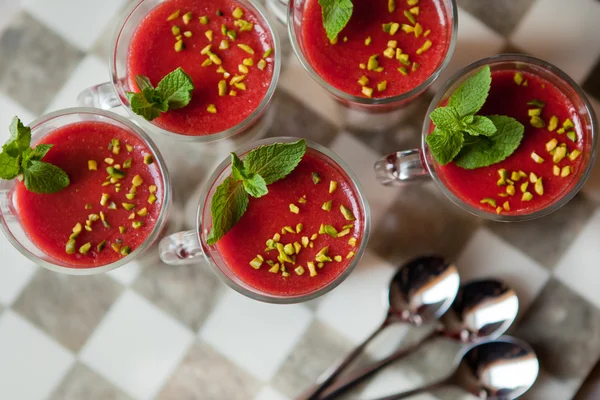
409 393
335 370
360 376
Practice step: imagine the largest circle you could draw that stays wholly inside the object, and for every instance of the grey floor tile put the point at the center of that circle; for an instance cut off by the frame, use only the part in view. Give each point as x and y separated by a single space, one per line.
501 15
546 239
590 389
67 307
292 118
422 221
207 375
35 62
563 328
83 383
319 347
187 292
592 82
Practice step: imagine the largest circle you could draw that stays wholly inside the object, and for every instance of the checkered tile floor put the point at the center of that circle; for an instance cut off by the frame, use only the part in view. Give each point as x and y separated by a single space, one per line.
148 331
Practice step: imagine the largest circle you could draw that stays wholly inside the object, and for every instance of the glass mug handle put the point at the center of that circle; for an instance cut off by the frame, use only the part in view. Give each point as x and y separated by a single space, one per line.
100 96
400 168
181 248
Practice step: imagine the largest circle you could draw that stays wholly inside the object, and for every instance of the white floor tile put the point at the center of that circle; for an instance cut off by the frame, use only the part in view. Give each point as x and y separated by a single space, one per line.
295 80
15 272
137 346
578 268
79 22
488 256
8 109
254 335
9 9
364 292
361 160
475 41
127 274
268 393
564 33
31 364
91 71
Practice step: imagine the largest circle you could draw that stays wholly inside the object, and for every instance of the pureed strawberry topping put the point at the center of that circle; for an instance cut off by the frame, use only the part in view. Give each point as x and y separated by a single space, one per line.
386 49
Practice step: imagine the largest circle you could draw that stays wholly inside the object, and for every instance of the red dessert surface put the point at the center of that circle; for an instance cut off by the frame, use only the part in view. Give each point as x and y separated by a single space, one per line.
49 219
338 64
267 215
508 98
152 54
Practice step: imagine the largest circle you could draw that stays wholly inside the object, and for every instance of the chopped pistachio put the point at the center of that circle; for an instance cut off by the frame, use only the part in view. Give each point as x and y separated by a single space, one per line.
320 265
104 199
426 46
173 16
207 63
244 25
574 154
572 135
316 178
314 236
527 196
137 224
556 170
553 123
415 66
294 208
209 35
305 241
367 91
240 86
222 87
179 45
297 247
536 103
404 59
566 171
125 251
389 53
256 263
551 145
71 246
539 187
261 64
116 247
489 201
559 153
503 174
347 213
407 28
92 165
175 30
498 210
274 269
330 230
403 71
143 212
215 58
327 205
85 248
246 48
88 206
506 206
238 13
568 124
350 255
137 180
332 186
524 187
299 270
410 17
537 158
427 32
363 81
243 69
112 206
187 17
232 35
537 122
510 190
311 245
206 49
414 10
534 112
533 177
394 27
322 253
109 161
412 2
343 232
288 229
518 78
373 62
204 20
418 30
381 86
152 198
352 241
560 131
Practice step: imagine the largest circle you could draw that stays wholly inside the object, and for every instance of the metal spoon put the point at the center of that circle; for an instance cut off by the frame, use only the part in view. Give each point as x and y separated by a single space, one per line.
501 369
483 310
422 290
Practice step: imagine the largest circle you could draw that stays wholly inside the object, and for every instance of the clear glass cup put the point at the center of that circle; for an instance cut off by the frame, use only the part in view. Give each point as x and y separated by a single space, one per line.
190 247
408 166
10 224
112 94
360 109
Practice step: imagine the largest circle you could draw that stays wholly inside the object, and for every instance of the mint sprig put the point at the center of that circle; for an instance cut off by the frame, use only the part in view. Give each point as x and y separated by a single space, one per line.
250 177
18 158
336 15
472 141
173 91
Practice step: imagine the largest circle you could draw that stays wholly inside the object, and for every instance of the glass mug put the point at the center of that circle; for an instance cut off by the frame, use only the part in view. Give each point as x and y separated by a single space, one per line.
373 105
190 247
413 165
112 94
10 224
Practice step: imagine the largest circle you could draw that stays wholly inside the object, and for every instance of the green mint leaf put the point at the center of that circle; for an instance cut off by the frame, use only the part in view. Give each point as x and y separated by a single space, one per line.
472 93
480 126
43 177
143 82
445 145
445 118
238 170
176 89
336 14
276 161
10 167
20 135
481 151
256 186
229 203
142 106
40 151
